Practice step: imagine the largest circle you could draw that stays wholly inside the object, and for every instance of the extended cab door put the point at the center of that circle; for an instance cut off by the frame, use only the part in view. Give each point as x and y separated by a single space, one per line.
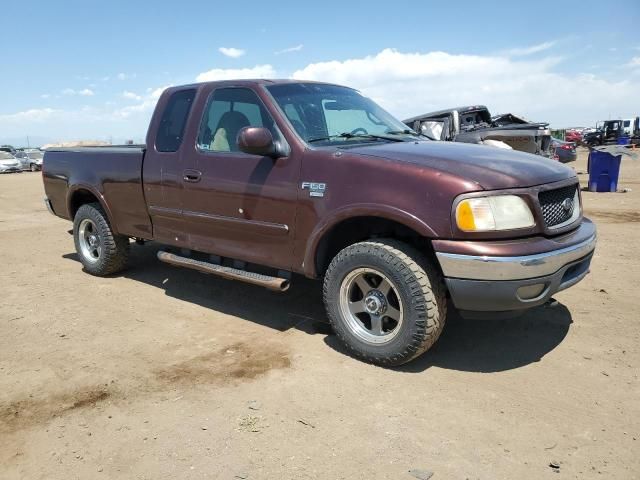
234 204
163 166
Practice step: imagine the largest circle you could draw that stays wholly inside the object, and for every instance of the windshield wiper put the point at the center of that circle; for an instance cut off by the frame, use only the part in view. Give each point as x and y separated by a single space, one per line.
355 135
409 132
406 131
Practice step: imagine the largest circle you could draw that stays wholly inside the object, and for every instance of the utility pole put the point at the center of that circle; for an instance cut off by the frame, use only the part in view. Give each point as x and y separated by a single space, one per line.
28 145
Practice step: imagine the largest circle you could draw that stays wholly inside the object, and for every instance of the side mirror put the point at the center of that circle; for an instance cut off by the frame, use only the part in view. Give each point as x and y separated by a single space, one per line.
258 141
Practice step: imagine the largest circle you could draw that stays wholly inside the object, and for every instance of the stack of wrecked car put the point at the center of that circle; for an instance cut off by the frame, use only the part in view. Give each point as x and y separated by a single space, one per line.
474 124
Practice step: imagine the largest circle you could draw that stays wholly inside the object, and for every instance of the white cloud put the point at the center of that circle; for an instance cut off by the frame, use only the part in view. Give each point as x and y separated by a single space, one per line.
634 62
85 92
521 52
406 84
98 121
36 115
143 108
297 48
156 92
124 76
45 95
131 96
409 84
232 52
259 71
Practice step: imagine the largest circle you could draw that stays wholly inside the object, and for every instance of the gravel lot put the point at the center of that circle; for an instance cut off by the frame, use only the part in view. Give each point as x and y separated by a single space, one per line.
166 373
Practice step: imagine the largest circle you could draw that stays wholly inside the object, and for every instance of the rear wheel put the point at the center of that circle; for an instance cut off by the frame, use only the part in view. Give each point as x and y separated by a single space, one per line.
385 301
33 167
100 250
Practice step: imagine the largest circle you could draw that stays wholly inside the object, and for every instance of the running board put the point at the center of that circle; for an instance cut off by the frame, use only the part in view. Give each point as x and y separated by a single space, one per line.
272 283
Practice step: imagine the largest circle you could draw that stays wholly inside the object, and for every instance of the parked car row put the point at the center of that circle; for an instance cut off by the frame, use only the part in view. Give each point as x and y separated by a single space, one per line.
8 163
606 132
12 160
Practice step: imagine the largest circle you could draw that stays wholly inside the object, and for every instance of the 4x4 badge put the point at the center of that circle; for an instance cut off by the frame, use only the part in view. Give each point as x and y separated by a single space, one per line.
315 189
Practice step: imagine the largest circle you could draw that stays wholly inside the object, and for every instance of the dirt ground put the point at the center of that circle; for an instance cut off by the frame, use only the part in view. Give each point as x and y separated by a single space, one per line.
165 373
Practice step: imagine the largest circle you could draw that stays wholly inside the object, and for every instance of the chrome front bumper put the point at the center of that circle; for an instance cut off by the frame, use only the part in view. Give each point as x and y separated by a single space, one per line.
507 284
512 268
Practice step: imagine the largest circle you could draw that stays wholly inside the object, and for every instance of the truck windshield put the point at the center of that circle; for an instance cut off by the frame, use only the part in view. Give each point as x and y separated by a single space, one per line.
333 115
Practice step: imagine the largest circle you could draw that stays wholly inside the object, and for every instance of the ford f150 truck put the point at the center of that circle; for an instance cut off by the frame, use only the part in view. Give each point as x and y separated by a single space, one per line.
258 180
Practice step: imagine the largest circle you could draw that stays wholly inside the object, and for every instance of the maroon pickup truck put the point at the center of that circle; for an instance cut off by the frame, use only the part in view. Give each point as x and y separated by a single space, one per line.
257 180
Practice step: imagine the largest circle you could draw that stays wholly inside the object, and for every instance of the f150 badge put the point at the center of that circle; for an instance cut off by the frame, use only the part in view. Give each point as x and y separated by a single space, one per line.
315 189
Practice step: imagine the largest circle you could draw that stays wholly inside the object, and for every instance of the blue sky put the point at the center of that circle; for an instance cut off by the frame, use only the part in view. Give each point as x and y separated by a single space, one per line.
88 69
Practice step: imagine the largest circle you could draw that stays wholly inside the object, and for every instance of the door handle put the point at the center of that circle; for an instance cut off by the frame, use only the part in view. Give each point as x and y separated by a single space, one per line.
192 176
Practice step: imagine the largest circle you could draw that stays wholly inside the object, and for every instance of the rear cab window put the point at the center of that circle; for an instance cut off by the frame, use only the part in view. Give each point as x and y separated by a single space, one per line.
173 121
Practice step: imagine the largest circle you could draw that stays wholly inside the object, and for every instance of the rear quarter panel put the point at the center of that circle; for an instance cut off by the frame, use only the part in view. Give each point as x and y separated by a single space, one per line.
113 175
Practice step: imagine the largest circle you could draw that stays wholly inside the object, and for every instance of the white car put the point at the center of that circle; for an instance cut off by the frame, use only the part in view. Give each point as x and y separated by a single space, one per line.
8 163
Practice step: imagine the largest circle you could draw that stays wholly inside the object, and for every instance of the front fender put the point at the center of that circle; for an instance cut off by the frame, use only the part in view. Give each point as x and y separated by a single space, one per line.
386 212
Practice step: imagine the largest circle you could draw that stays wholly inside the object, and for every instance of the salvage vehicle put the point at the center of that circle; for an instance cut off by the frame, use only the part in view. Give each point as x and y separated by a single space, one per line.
256 180
474 124
8 163
7 148
22 159
573 136
35 159
609 131
565 152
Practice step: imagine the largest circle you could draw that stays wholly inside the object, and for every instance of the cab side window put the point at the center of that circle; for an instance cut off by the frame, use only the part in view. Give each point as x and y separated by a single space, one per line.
173 121
229 111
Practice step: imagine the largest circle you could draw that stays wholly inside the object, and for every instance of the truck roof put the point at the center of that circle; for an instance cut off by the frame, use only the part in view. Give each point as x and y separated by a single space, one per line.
251 82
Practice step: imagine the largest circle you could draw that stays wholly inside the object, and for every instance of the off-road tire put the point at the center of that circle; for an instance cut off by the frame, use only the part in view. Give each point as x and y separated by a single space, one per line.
115 248
421 289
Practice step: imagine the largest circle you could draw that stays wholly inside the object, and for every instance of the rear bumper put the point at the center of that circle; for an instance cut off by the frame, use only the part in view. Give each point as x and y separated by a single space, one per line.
517 281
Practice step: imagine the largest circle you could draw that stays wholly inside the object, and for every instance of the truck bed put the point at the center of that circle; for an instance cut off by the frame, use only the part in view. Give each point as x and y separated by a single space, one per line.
111 174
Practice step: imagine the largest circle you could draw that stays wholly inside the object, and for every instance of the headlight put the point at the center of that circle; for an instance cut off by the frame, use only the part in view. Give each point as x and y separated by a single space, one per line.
499 212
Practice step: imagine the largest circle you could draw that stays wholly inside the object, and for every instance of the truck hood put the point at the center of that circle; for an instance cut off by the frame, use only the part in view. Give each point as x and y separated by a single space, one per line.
489 167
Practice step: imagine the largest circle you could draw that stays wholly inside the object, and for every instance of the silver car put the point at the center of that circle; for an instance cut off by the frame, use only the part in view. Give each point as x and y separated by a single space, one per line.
35 159
22 158
9 163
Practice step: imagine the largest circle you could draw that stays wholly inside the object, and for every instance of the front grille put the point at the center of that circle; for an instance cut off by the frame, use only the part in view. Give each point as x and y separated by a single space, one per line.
553 204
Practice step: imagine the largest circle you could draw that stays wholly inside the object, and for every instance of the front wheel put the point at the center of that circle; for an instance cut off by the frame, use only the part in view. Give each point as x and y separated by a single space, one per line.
385 301
101 251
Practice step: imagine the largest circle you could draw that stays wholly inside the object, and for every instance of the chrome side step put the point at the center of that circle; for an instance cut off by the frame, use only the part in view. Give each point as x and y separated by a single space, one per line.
272 283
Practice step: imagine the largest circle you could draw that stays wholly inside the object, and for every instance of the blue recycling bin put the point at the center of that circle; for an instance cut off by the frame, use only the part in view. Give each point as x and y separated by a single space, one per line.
604 170
624 140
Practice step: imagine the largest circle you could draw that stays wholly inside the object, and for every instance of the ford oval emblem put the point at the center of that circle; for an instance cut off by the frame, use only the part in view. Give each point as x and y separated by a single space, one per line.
567 204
